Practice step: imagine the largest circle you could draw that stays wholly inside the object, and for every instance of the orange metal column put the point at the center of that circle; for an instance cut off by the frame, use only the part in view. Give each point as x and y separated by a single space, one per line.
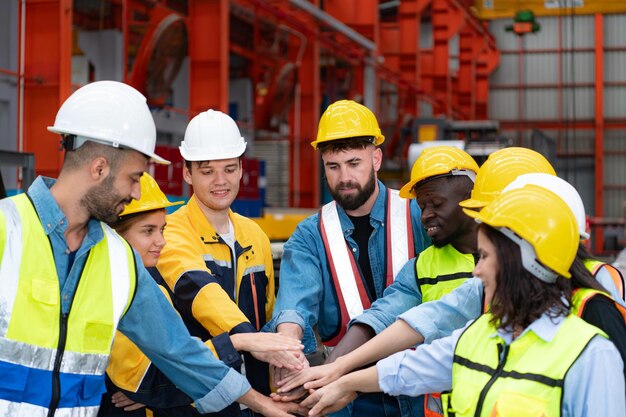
362 16
409 21
447 19
46 78
488 61
470 45
305 182
599 128
208 55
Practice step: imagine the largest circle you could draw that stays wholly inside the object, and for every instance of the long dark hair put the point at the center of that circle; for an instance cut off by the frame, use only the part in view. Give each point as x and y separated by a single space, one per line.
581 277
521 298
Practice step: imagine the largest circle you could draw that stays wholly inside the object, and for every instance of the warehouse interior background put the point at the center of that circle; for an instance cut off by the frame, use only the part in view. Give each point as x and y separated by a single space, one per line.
544 74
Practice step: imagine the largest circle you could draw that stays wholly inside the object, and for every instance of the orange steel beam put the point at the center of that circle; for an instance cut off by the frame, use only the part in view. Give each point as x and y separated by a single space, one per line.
447 21
409 21
47 78
362 16
599 127
305 184
208 55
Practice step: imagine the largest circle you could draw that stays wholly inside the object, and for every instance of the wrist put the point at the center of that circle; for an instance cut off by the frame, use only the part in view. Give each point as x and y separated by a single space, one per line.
292 330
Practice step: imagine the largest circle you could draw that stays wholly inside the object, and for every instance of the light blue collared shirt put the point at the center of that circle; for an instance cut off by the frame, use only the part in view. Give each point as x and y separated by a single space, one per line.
150 322
306 295
594 385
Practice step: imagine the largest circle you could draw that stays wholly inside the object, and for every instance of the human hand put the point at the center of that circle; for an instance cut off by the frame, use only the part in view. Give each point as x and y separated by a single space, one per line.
265 342
311 378
120 400
331 398
288 360
279 375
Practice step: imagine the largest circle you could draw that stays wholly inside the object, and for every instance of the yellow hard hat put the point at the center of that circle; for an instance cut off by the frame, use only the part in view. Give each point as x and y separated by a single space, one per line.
500 169
152 198
540 223
439 160
346 119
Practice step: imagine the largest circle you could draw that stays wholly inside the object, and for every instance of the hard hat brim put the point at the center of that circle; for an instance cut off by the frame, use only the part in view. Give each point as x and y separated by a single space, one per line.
472 203
143 209
153 156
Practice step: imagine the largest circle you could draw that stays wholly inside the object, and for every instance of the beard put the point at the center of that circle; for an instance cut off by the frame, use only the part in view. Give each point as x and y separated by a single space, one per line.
101 201
354 201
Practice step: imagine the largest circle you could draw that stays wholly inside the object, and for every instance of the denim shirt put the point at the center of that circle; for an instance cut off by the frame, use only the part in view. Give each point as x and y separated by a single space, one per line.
397 298
594 385
150 322
306 295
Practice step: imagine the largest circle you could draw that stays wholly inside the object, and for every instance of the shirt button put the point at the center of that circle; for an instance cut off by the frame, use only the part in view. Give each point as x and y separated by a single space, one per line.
353 249
49 226
66 297
67 251
383 224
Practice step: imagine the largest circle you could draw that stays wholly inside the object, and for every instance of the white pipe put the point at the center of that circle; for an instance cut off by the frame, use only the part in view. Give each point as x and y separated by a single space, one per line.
334 23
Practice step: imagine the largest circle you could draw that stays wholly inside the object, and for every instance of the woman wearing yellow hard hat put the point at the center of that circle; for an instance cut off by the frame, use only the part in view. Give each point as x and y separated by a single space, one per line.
527 356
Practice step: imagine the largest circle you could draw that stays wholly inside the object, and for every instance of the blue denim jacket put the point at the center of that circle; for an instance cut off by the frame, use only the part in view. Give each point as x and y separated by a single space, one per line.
150 322
306 294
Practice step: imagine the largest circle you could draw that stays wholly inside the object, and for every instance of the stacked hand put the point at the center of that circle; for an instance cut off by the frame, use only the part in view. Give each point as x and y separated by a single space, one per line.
280 375
274 348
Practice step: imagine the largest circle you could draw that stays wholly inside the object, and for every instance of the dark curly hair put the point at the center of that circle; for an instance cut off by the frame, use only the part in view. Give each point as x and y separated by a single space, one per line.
520 298
347 144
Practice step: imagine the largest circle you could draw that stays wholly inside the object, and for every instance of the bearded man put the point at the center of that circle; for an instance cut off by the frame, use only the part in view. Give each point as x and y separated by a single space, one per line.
339 261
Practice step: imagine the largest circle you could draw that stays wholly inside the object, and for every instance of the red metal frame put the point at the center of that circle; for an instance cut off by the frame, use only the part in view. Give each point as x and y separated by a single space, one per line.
599 126
47 77
208 55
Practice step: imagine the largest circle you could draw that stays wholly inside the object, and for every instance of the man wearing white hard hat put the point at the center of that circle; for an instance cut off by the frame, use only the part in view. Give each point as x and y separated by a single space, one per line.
69 281
218 264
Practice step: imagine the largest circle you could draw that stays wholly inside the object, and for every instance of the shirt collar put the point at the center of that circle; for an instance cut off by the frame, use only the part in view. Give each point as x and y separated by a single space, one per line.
545 327
47 208
50 214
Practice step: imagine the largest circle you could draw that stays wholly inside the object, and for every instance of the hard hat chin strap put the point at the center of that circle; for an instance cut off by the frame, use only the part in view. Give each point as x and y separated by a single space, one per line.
529 258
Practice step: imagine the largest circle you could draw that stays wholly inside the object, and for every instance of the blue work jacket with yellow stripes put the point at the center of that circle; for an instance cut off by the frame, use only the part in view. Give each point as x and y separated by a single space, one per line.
197 267
51 360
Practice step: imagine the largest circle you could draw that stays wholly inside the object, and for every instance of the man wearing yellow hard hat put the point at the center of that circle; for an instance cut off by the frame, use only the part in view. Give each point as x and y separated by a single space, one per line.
441 177
339 261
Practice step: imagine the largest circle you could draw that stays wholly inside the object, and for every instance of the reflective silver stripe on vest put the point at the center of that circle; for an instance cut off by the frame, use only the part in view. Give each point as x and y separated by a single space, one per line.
120 279
346 276
219 262
253 269
31 356
10 263
12 409
398 230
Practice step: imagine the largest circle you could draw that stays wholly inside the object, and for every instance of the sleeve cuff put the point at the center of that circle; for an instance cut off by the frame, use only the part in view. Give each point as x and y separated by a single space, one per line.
230 388
291 316
369 320
226 352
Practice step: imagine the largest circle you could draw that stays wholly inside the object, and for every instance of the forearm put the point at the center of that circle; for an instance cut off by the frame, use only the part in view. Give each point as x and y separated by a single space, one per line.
395 338
364 380
290 330
357 335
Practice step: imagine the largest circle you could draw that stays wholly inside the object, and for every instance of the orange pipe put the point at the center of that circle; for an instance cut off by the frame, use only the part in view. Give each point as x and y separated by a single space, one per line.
599 127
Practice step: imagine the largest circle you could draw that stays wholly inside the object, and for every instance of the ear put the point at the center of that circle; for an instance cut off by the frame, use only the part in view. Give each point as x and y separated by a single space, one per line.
377 159
99 168
186 174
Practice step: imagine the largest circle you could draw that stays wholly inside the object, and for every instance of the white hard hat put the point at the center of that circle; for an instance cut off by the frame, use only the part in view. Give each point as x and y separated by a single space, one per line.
112 113
210 136
559 187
